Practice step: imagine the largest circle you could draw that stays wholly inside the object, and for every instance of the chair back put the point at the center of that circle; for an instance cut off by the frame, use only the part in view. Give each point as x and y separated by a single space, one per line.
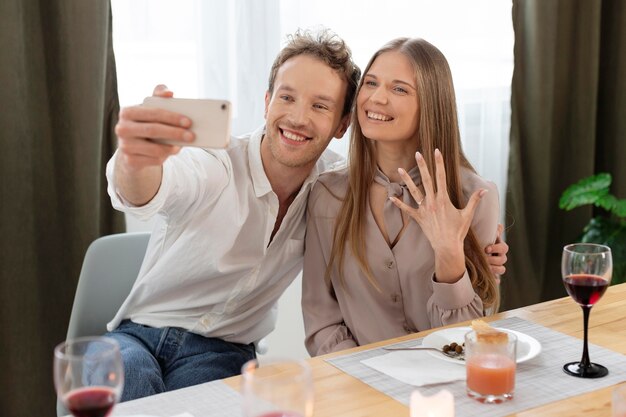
110 268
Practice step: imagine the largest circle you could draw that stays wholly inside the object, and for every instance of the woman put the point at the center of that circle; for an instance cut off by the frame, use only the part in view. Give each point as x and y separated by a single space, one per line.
382 258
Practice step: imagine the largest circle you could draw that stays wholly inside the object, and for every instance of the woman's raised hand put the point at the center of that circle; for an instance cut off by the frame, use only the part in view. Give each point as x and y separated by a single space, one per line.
444 225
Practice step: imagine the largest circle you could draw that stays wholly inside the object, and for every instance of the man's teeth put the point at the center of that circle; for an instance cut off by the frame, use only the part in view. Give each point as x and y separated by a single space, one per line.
293 136
378 116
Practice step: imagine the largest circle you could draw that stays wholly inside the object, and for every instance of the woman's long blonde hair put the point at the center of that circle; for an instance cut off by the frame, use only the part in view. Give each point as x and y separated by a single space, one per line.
438 128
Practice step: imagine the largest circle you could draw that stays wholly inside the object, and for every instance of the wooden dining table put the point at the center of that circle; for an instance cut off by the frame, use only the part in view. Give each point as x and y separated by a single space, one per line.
338 394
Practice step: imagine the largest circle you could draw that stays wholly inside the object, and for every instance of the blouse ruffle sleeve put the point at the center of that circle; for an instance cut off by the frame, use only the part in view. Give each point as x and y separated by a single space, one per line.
453 303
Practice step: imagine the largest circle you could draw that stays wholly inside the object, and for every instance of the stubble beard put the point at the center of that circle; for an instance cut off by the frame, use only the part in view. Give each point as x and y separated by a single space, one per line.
303 159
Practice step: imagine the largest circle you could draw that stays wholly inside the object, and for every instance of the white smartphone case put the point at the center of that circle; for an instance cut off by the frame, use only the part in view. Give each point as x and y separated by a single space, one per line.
210 119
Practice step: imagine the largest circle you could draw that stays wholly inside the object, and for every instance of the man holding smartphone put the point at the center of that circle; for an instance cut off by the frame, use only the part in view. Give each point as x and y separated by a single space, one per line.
229 232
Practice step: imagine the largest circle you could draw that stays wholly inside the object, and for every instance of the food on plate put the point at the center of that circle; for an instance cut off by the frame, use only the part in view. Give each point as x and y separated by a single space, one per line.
487 334
453 348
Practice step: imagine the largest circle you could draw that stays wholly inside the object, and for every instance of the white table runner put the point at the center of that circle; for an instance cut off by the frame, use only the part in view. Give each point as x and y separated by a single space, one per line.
539 381
213 399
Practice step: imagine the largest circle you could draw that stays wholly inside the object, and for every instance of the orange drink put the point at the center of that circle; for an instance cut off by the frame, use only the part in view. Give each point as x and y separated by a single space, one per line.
491 374
490 364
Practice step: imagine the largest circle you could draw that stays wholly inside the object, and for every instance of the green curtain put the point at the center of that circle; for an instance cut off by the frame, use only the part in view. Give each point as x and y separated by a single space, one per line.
58 106
568 121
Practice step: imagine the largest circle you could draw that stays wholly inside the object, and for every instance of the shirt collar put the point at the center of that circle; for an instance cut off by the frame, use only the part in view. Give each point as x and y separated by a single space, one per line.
260 182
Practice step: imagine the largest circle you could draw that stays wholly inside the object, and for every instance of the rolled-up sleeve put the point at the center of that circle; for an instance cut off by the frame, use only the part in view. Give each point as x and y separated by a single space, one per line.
191 174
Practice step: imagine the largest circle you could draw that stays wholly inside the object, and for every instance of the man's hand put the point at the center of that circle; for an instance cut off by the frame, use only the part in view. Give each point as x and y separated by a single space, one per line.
138 126
497 254
140 159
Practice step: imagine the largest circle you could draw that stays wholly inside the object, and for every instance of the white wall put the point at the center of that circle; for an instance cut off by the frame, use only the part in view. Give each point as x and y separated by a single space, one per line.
287 340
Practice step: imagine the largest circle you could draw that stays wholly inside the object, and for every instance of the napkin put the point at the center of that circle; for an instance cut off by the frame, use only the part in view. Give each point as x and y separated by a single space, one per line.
415 367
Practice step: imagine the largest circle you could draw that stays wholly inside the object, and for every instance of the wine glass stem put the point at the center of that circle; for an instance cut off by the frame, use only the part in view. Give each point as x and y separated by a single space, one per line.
585 362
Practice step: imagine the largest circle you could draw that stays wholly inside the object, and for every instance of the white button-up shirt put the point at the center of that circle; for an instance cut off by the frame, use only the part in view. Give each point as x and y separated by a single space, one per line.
209 267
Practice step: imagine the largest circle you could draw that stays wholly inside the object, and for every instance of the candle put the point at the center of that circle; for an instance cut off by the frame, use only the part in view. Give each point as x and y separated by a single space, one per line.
619 401
439 405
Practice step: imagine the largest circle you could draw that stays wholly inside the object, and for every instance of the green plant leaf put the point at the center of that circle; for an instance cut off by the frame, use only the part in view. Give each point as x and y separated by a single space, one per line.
610 203
619 209
586 191
607 202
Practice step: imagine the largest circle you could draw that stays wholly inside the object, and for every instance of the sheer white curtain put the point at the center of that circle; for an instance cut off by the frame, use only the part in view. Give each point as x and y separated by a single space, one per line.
199 49
224 49
476 37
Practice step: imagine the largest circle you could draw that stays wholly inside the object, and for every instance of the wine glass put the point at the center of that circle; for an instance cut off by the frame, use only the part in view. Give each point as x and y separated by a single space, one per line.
279 388
586 269
88 375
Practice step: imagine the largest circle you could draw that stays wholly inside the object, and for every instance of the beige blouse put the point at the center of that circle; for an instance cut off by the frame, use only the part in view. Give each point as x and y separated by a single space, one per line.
354 312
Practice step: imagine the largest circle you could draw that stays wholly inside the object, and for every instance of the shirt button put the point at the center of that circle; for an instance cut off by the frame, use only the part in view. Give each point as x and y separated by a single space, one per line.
394 298
206 322
407 328
389 264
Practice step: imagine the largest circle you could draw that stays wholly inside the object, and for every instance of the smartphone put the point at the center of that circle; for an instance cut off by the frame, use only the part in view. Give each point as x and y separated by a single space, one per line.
210 119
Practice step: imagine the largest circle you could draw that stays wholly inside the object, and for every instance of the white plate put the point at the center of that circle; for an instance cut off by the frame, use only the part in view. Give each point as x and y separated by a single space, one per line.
527 346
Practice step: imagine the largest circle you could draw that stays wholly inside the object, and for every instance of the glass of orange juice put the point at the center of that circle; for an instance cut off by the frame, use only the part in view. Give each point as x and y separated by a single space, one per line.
490 364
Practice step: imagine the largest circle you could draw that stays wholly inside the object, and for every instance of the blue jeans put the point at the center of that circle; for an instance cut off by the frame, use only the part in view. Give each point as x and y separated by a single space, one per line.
164 359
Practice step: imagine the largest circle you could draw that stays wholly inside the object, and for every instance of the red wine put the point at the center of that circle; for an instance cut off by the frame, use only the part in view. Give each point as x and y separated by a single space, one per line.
90 402
585 289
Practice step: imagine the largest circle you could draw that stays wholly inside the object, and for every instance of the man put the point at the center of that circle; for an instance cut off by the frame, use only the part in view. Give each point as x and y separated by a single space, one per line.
228 238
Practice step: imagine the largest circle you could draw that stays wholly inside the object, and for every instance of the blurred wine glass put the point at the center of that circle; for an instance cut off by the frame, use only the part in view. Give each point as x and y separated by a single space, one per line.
586 270
88 375
277 389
